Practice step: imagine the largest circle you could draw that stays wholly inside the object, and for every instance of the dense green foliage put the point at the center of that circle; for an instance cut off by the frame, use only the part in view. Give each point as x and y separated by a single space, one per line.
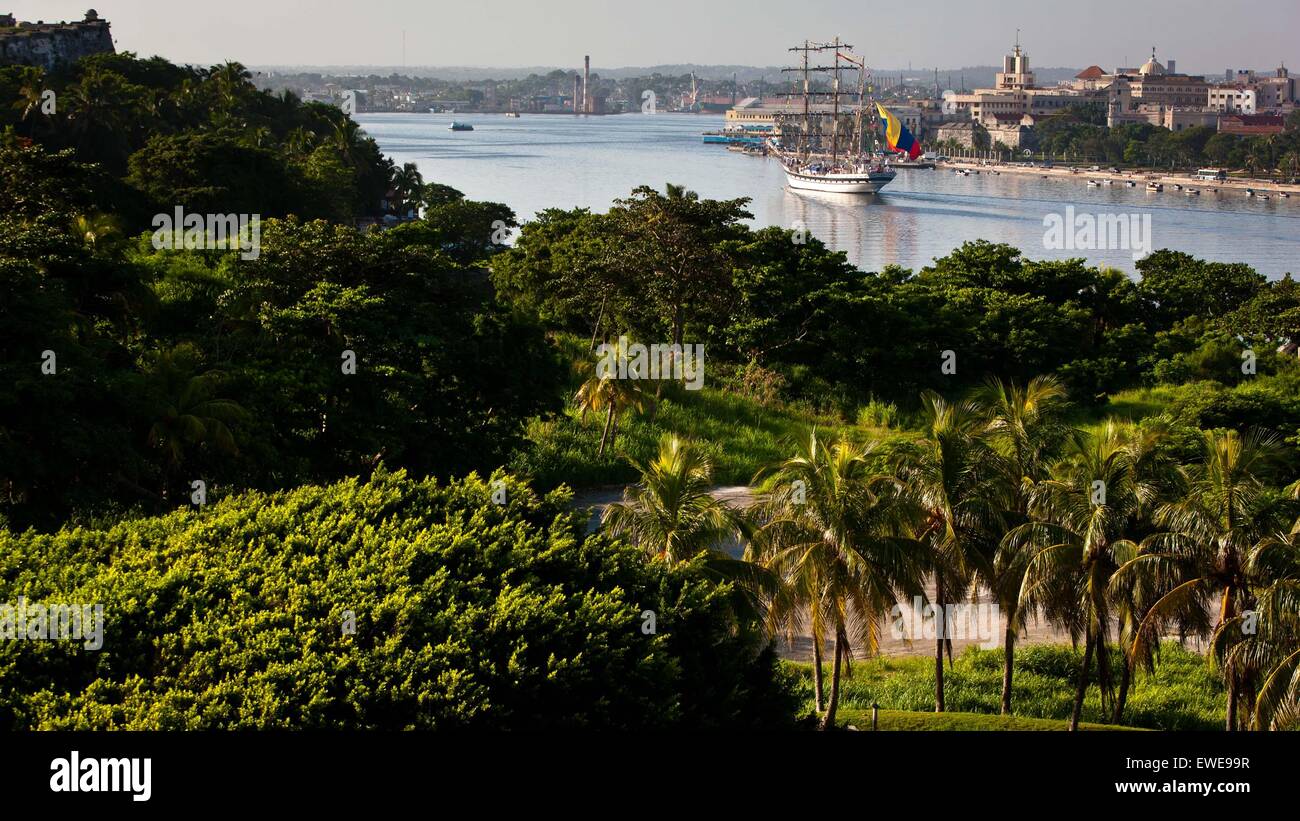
205 139
799 323
176 366
468 614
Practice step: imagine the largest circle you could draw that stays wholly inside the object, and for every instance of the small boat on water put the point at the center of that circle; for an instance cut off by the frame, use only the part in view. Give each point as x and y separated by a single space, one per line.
1155 186
1177 187
1263 196
1131 184
459 126
1107 182
1193 192
1284 195
512 113
1094 184
1250 192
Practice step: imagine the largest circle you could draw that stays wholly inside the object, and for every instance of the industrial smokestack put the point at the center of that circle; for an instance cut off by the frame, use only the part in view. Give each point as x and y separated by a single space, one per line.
577 93
586 83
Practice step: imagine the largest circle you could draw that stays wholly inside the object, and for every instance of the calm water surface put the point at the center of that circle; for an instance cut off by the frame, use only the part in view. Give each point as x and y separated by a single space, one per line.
560 161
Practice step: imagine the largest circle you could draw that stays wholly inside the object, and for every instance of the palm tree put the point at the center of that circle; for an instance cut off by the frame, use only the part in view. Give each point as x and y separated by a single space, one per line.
103 112
670 513
1210 534
31 93
948 480
1291 162
231 85
829 535
604 390
1026 432
96 229
679 192
189 414
1274 648
409 184
1079 533
348 139
300 141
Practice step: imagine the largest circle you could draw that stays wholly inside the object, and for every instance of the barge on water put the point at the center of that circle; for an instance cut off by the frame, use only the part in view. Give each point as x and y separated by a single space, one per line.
733 138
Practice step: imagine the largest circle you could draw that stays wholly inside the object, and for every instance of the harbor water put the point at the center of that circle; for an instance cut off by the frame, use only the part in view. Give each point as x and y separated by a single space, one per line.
536 162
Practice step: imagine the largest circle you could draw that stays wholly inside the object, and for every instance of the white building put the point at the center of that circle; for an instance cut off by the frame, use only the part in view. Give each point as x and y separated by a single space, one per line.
1231 99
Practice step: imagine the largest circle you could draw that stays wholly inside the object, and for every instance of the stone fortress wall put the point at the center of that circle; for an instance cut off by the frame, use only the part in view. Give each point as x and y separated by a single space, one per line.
49 45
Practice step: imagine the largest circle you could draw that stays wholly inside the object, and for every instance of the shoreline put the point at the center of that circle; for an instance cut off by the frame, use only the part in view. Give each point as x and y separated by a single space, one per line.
1140 177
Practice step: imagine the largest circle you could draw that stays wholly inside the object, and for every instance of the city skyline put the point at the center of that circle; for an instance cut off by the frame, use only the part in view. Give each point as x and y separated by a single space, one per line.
513 33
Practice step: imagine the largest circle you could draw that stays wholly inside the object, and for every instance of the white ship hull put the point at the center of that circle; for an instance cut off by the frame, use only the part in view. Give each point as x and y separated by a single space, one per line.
840 183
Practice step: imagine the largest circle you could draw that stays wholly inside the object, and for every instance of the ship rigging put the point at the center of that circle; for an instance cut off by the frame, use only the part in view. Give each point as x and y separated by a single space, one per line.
849 168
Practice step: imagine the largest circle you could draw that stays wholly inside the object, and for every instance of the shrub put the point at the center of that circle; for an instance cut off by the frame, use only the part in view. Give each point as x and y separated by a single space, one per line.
468 614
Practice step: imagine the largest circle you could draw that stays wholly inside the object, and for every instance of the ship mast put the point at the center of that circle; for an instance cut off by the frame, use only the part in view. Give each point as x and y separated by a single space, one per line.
835 106
806 70
807 93
861 66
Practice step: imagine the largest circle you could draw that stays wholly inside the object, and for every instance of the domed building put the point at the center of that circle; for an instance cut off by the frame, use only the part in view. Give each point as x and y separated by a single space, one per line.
1157 83
1151 66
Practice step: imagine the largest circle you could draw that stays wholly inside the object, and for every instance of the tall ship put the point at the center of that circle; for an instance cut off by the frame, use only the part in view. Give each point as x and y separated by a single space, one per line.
845 160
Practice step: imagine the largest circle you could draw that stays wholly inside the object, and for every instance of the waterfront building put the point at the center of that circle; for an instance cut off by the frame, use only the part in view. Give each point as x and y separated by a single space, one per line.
1263 125
1177 118
1015 96
968 134
1011 130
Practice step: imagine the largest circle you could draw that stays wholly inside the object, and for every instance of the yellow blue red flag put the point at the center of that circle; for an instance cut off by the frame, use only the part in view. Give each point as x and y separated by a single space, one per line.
897 135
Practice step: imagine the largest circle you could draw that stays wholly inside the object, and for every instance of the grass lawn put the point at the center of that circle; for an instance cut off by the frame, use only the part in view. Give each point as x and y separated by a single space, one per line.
738 435
1181 694
909 721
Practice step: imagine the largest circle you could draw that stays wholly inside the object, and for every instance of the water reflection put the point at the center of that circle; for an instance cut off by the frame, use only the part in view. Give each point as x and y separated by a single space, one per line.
542 161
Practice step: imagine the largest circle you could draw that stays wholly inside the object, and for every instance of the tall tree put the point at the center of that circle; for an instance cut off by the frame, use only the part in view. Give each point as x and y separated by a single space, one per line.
1025 428
1082 518
950 481
1208 538
830 524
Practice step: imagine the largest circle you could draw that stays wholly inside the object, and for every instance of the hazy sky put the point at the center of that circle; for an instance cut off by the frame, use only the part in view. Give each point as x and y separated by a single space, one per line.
1202 35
